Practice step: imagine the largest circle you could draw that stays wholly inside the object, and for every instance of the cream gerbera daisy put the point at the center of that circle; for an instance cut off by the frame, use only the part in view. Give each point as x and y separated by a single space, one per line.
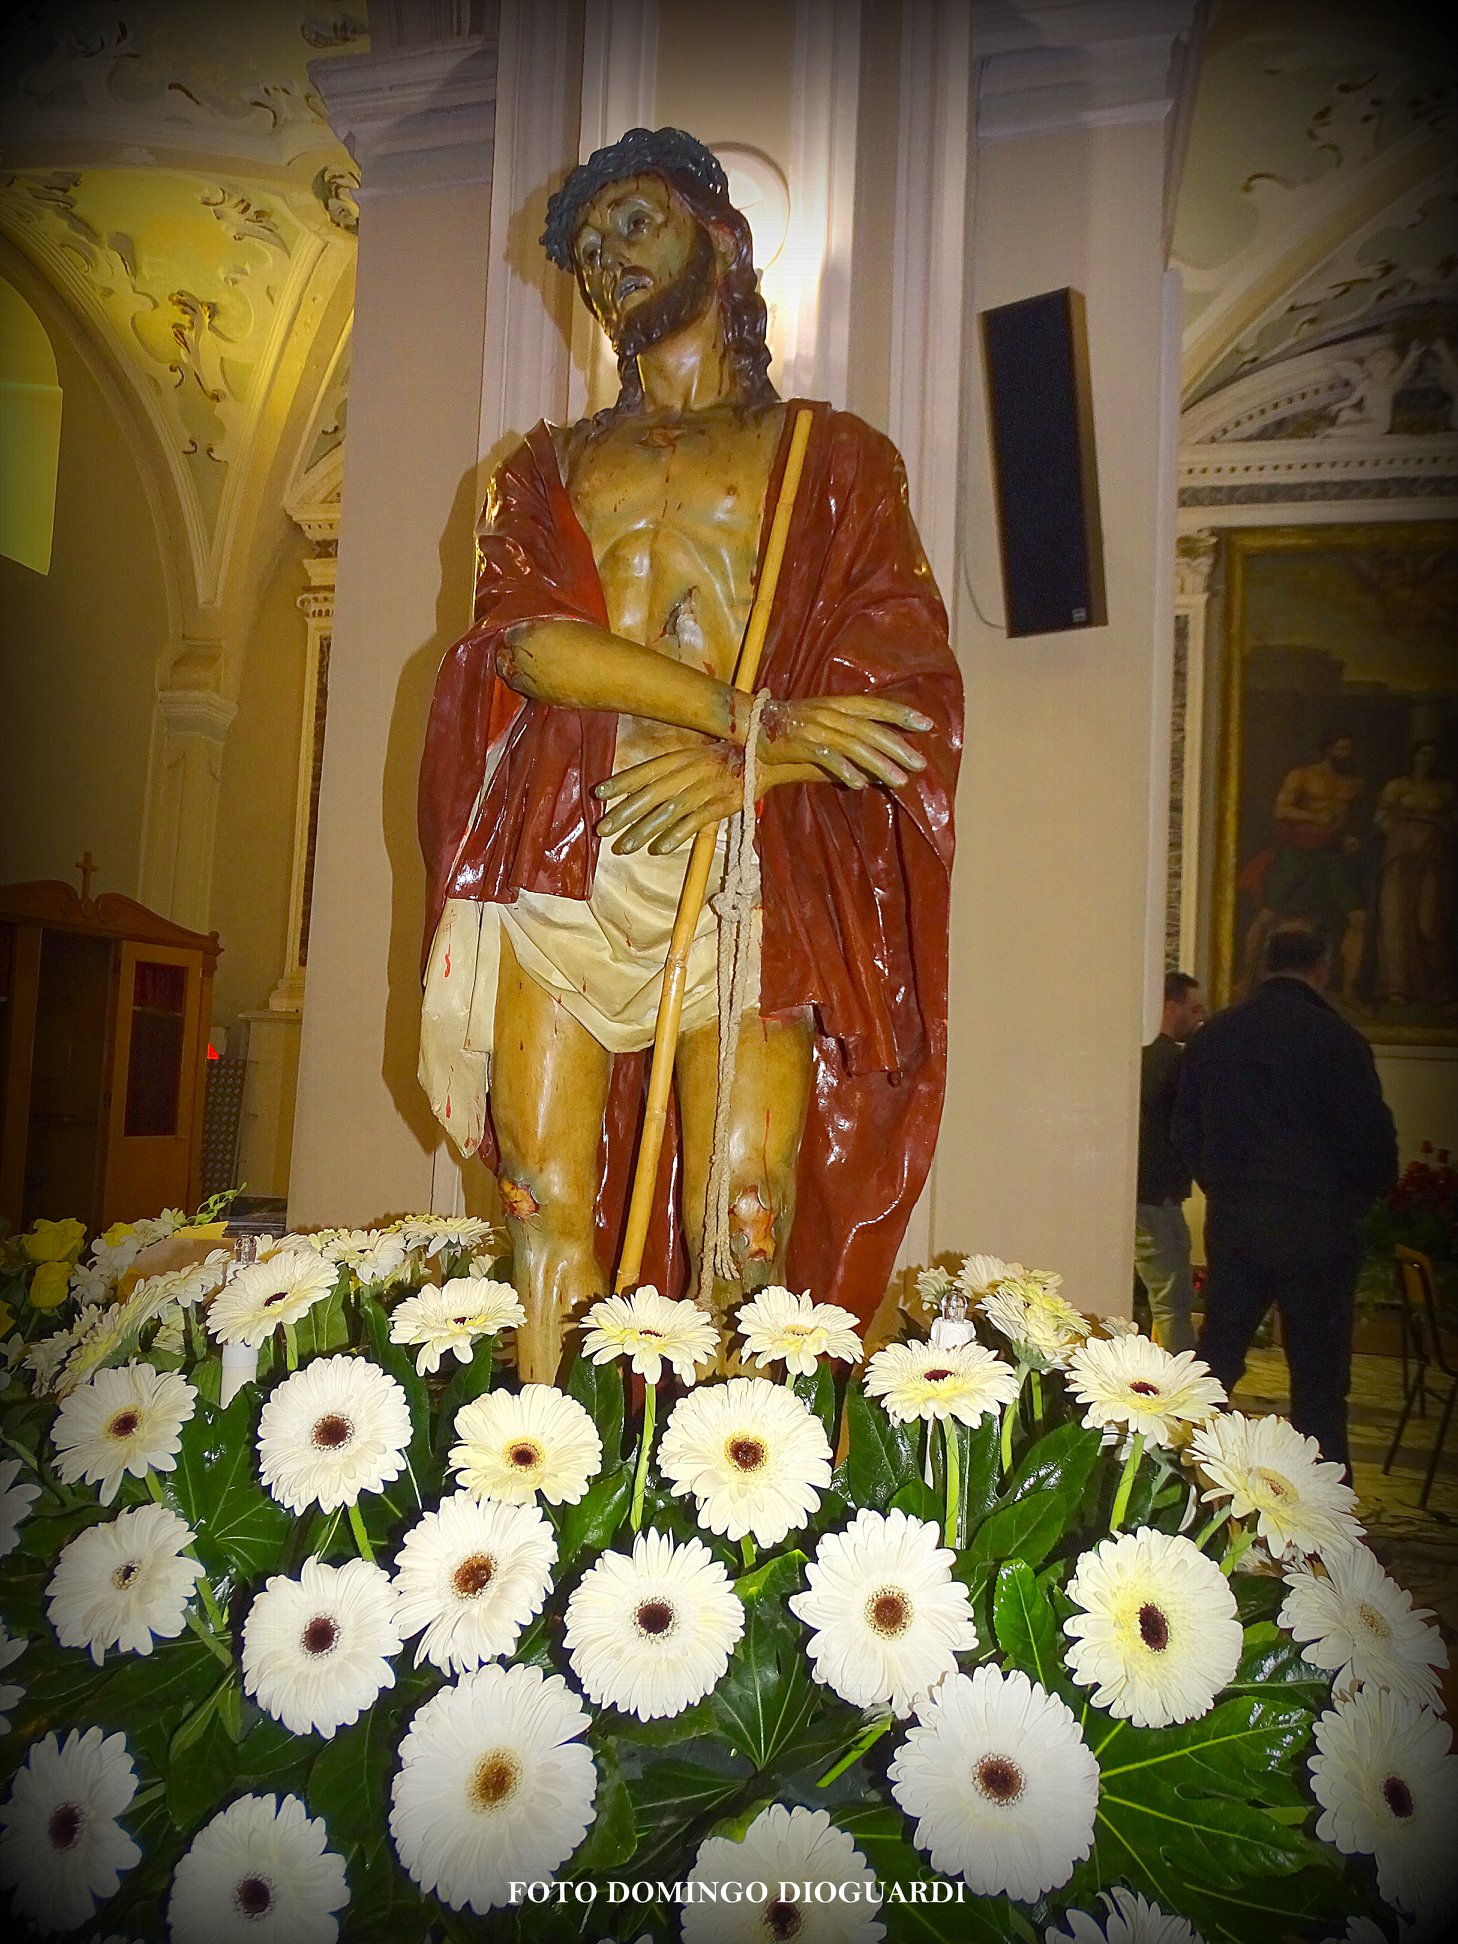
1130 1385
435 1235
17 1496
928 1380
650 1330
10 1651
780 1326
260 1872
1043 1329
449 1318
753 1456
62 1849
651 1631
1362 1627
281 1289
124 1583
1131 1920
370 1255
469 1577
127 1420
1388 1787
1156 1635
980 1274
513 1444
332 1430
317 1649
783 1850
1265 1467
1000 1784
886 1618
494 1786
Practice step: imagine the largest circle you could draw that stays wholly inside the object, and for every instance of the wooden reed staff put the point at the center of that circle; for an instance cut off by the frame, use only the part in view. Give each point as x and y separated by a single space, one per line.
696 883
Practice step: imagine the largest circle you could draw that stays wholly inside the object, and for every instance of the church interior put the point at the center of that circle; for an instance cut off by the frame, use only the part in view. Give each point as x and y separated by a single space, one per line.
272 311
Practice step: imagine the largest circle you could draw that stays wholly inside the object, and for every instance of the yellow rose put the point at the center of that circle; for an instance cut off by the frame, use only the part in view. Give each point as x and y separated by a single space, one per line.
55 1241
7 1318
115 1233
49 1284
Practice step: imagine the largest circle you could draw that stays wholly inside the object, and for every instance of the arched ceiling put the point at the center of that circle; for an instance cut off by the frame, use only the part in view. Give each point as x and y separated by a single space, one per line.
170 174
1320 192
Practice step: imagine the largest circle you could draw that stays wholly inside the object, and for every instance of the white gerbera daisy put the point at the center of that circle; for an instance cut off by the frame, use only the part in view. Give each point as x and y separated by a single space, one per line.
886 1618
1362 1627
124 1583
754 1457
965 1381
1388 1787
317 1649
370 1255
513 1444
17 1496
127 1420
980 1274
1121 1326
105 1338
281 1289
10 1650
651 1632
62 1849
332 1430
1000 1783
1130 1384
1043 1329
1265 1467
260 1872
650 1330
1131 1920
447 1319
448 1234
931 1286
783 1849
469 1577
494 1786
780 1326
1156 1635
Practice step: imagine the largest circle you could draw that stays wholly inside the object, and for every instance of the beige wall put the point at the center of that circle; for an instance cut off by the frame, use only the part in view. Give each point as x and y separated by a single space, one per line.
80 645
253 856
724 71
1037 1152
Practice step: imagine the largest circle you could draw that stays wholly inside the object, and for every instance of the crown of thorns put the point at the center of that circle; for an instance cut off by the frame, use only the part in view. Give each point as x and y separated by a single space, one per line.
642 151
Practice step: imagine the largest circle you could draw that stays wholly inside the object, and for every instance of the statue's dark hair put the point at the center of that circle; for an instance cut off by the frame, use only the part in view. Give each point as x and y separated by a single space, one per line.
693 172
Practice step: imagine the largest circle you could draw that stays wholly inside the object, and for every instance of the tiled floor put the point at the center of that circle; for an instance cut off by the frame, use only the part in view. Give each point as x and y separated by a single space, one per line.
1419 1547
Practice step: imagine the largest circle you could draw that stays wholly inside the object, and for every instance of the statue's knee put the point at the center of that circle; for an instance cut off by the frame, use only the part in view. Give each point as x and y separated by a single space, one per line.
517 1199
756 1223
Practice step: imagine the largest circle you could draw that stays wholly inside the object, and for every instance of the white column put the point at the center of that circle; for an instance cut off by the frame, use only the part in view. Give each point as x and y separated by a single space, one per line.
184 777
419 121
1195 556
1051 892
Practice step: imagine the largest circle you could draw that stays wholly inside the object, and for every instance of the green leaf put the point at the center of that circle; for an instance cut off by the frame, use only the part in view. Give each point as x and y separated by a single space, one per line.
919 1501
471 1380
1230 1751
1027 1529
349 1786
981 1459
1062 1461
1273 1661
881 1834
598 1388
1023 1621
766 1696
612 1836
671 1797
201 1759
240 1530
592 1523
882 1455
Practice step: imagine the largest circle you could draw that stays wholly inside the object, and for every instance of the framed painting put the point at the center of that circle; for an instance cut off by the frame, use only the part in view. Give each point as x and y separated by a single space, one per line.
1338 799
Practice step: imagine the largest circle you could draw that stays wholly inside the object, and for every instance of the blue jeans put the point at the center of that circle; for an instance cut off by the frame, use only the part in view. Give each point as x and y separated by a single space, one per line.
1162 1258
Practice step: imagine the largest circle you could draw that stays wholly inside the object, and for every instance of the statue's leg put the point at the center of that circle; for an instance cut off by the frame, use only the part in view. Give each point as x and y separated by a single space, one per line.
772 1081
549 1089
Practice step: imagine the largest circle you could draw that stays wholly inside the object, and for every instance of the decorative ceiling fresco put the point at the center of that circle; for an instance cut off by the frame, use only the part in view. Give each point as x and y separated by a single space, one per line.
172 177
1320 193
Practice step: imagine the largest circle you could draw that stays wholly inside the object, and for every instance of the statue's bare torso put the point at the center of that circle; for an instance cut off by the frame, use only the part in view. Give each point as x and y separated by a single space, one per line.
673 513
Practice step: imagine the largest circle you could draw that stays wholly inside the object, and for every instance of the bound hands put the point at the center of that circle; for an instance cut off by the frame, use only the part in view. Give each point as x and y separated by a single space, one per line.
852 740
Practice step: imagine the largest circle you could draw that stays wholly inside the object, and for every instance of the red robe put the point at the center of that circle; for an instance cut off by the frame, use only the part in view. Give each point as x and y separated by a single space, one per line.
855 882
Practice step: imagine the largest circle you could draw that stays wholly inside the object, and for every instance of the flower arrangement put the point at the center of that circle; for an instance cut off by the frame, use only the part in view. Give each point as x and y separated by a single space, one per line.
1013 1635
1421 1212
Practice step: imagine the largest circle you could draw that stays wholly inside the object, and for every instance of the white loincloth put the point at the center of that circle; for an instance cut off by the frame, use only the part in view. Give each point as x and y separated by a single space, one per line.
601 956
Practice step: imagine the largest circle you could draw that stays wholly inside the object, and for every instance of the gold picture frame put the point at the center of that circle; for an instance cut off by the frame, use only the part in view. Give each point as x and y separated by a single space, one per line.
1338 758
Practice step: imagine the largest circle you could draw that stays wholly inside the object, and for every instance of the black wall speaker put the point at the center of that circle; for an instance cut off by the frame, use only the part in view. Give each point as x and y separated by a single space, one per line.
1040 418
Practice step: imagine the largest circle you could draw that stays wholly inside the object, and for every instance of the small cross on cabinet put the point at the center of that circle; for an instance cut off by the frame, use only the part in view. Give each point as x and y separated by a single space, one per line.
86 864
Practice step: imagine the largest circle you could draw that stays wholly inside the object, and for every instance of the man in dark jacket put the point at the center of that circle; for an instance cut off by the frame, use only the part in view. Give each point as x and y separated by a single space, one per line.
1281 1117
1161 1235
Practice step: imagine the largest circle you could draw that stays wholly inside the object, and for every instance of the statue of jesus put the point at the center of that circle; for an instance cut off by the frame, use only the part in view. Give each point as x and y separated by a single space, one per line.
586 728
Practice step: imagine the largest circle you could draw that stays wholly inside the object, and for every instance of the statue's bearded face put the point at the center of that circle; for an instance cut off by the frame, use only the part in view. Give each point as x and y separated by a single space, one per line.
645 264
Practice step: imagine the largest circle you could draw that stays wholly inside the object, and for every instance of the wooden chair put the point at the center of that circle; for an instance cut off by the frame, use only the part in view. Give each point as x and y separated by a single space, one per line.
1425 1347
